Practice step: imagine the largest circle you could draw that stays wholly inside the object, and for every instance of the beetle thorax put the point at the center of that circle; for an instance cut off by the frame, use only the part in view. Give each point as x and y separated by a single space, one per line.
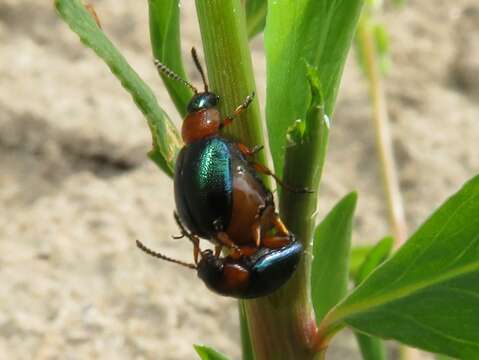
200 124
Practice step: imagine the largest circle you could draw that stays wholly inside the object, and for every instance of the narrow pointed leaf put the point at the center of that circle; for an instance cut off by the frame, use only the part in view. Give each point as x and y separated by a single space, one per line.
166 45
318 32
427 294
166 141
207 353
378 254
357 257
329 271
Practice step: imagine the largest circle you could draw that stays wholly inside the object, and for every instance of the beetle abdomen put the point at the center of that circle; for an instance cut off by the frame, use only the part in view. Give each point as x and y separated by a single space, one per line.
250 277
271 270
203 186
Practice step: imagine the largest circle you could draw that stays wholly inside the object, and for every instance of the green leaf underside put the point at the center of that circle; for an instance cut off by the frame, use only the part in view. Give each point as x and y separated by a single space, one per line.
255 16
166 141
329 271
166 44
207 353
378 254
427 294
316 31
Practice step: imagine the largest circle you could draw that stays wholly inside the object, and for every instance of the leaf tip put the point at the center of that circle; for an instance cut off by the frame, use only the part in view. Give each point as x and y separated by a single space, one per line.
351 199
207 353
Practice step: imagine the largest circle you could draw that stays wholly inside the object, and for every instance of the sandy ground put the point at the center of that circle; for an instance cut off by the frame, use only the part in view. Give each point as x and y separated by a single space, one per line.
76 188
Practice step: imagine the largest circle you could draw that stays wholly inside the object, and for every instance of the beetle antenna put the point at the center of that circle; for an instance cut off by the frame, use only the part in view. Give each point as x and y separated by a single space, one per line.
199 67
172 75
155 254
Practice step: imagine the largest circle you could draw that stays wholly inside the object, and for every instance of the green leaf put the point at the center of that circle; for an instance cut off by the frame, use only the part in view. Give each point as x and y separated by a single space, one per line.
331 247
307 142
166 142
378 254
427 294
255 16
371 348
155 156
166 45
356 258
207 353
316 31
443 357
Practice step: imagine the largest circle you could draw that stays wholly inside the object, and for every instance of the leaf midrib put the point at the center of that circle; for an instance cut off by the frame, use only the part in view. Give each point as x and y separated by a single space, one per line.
403 292
408 290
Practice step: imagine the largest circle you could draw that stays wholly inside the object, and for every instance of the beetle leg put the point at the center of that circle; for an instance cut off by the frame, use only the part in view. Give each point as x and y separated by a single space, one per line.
218 249
245 150
256 227
196 249
224 240
256 230
264 170
281 237
229 119
279 225
276 241
193 238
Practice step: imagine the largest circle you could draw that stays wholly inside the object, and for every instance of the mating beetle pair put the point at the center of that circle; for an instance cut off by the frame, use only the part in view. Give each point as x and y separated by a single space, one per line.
220 196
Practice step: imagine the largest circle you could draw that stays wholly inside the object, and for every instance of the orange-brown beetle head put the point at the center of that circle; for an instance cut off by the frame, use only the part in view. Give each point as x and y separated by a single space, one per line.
203 117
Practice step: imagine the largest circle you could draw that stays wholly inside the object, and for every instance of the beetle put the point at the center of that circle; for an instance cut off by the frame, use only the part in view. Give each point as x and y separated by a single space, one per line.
246 277
219 194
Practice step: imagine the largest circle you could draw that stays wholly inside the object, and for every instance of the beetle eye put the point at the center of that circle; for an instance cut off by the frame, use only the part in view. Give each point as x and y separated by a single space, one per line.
213 99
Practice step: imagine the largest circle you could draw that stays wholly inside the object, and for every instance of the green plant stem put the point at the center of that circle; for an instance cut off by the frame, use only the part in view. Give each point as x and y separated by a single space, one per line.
278 324
230 73
230 69
246 345
383 135
283 321
371 348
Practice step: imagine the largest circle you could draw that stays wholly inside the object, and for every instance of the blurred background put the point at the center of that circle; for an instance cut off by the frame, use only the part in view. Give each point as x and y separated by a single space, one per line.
76 188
